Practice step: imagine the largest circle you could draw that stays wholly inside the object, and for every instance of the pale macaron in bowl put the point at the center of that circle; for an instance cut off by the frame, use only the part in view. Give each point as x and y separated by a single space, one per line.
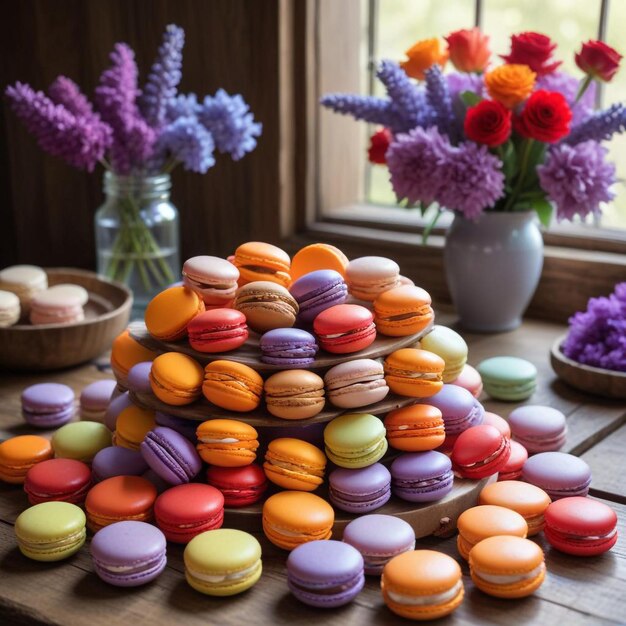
10 310
60 306
24 281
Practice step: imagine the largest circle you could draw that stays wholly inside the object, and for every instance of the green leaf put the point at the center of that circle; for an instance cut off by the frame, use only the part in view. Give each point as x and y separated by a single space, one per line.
544 210
469 98
509 162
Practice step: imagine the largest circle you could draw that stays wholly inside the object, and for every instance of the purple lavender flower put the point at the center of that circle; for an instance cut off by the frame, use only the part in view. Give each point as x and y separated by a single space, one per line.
367 108
182 106
187 141
228 119
439 101
458 82
66 92
164 77
116 97
600 126
568 86
80 141
577 178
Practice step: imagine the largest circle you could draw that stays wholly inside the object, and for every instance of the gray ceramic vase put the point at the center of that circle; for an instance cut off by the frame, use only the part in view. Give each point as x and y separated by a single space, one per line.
493 266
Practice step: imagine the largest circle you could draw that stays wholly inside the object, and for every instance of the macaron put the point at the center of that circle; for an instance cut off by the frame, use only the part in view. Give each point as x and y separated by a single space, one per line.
294 464
345 328
559 474
422 585
63 480
80 440
512 469
169 312
480 522
355 440
317 291
116 406
10 310
538 428
47 405
403 310
497 422
95 399
19 454
120 498
318 256
294 394
325 574
117 461
369 276
450 346
50 531
379 538
257 260
414 373
125 353
138 379
218 330
70 289
129 553
354 384
288 348
223 562
470 379
507 567
359 490
227 443
212 278
176 378
526 499
132 425
581 526
232 386
421 476
508 378
240 486
480 451
291 518
182 425
25 281
415 428
56 307
185 511
266 306
173 457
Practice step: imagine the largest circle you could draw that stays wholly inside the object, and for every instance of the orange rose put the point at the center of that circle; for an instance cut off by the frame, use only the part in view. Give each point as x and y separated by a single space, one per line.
510 84
422 55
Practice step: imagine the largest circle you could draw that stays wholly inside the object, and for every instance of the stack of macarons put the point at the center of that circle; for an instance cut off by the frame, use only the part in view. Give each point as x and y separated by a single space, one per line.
25 281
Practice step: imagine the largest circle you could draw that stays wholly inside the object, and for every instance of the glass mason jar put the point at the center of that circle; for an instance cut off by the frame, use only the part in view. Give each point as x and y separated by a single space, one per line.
137 239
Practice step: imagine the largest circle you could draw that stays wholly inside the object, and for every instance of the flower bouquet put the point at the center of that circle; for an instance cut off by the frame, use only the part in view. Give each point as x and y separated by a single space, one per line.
136 135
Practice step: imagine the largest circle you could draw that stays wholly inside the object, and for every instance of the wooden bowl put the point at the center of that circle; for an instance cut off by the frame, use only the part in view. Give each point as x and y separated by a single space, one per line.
55 346
594 380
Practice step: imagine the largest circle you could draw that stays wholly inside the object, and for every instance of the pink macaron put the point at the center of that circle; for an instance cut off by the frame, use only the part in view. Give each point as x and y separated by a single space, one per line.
212 278
538 428
57 307
357 383
470 379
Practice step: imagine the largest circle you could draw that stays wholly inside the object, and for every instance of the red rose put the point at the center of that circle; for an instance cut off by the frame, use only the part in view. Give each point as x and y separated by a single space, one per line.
379 142
545 117
469 49
598 60
534 50
488 122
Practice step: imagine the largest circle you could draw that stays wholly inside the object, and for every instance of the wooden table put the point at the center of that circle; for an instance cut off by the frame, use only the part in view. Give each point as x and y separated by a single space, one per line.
576 590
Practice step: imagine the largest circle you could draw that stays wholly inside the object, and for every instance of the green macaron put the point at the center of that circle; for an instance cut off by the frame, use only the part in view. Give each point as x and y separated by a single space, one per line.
80 440
508 378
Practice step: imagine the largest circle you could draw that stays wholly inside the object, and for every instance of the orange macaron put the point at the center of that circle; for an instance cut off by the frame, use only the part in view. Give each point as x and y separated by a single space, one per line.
169 312
414 373
415 428
257 260
19 454
402 311
318 256
227 443
132 425
294 464
176 378
232 386
125 353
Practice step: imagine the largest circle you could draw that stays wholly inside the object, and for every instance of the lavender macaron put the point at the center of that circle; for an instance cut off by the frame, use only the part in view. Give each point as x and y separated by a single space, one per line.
360 490
538 428
317 291
128 553
173 457
290 348
117 461
187 428
47 405
326 573
116 406
559 474
422 476
138 378
95 399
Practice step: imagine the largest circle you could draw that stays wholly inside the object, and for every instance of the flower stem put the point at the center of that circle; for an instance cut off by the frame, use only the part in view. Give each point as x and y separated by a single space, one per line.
431 225
526 149
584 84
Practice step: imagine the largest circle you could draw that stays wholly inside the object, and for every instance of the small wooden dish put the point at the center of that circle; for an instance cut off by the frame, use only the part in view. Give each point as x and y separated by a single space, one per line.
594 380
55 346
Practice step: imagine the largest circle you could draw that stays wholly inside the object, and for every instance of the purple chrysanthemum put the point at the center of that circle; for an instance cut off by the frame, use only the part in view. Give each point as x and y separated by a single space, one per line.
577 178
600 126
568 86
187 141
80 141
66 92
164 77
439 101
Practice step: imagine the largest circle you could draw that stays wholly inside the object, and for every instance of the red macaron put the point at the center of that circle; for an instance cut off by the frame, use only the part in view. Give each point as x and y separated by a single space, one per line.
480 451
64 480
241 486
345 328
580 526
512 469
185 511
217 330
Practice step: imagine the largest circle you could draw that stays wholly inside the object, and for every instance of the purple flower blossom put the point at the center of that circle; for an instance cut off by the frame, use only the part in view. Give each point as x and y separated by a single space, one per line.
66 92
187 141
182 106
80 141
600 126
366 108
116 97
597 336
439 101
458 82
164 77
228 119
577 178
568 86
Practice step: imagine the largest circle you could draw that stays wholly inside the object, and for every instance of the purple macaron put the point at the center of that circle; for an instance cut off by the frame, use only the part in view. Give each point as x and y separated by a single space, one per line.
138 378
288 347
95 399
379 538
326 573
128 554
360 490
422 476
538 428
187 428
47 405
117 461
173 457
317 291
559 474
116 406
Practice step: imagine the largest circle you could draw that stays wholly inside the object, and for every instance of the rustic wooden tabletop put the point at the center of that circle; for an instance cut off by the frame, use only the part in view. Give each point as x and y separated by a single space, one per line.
582 591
